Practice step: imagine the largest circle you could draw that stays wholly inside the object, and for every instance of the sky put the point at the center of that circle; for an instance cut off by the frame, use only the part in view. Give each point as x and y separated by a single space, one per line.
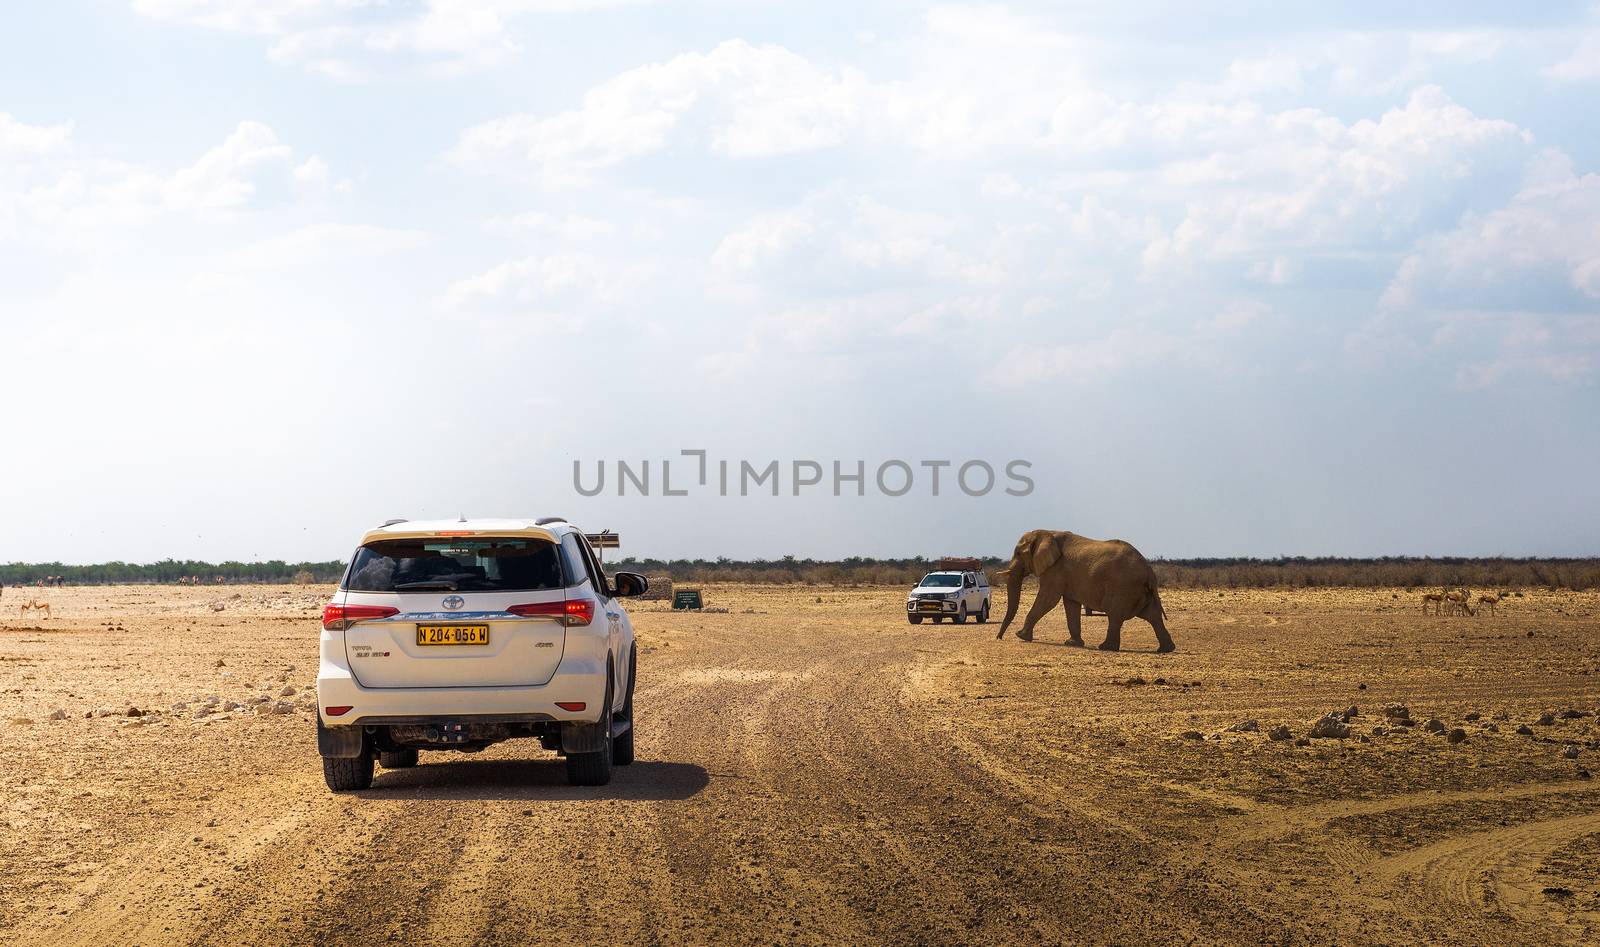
1260 279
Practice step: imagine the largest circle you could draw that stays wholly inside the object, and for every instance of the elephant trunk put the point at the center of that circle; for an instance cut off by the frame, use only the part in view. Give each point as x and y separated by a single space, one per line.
1014 576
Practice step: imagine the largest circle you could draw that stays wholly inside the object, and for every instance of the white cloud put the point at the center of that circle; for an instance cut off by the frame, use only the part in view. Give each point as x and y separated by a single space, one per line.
21 140
1583 65
1539 252
571 285
740 100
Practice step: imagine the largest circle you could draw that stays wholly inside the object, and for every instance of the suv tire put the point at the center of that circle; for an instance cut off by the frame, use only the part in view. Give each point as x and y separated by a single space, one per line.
345 774
914 619
397 759
594 769
961 614
622 746
983 614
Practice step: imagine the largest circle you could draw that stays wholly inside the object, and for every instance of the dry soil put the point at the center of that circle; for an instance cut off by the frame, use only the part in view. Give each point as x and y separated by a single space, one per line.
811 768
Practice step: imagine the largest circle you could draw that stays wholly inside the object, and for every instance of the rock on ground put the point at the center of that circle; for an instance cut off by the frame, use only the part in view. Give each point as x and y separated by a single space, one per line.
1330 726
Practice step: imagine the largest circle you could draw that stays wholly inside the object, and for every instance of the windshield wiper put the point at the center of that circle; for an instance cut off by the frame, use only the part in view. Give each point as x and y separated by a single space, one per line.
448 585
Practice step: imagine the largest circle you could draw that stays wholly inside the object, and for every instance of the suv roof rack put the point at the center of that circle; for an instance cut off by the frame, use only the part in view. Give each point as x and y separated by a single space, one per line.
959 564
547 520
394 521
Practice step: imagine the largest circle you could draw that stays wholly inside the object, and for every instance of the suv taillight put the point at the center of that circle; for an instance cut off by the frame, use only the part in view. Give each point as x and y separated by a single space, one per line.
340 617
573 611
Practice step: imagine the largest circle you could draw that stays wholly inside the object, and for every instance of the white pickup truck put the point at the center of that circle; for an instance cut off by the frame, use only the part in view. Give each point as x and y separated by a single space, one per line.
953 594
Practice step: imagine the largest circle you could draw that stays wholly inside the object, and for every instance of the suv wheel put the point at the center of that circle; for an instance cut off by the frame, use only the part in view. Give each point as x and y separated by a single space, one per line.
961 614
344 774
983 613
397 759
914 619
594 769
622 746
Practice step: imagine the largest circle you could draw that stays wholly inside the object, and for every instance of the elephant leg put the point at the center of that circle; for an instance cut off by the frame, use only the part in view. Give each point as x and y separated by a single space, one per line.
1113 640
1074 612
1042 604
1153 616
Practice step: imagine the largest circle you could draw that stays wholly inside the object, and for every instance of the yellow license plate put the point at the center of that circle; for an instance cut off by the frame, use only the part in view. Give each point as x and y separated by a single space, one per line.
452 634
930 606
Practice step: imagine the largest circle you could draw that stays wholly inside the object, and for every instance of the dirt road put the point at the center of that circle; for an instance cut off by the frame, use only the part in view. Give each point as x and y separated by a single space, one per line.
812 769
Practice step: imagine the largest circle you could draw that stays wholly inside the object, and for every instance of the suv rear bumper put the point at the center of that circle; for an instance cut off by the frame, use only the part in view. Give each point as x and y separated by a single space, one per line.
575 681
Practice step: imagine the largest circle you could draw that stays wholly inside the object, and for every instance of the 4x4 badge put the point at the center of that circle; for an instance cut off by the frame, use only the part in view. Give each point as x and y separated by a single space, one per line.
453 602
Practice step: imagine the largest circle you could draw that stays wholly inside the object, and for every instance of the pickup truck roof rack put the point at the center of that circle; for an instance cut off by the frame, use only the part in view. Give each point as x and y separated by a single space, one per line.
959 564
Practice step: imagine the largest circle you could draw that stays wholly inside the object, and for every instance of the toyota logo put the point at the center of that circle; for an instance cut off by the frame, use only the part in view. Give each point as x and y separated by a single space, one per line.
453 602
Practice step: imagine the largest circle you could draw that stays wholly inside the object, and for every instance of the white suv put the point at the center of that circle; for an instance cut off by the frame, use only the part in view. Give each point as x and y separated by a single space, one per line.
953 595
458 635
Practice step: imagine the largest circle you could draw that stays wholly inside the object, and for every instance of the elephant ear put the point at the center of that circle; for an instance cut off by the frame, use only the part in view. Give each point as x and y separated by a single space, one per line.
1046 553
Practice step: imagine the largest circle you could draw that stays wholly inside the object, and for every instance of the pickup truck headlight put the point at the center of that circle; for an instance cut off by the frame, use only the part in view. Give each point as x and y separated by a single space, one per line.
950 596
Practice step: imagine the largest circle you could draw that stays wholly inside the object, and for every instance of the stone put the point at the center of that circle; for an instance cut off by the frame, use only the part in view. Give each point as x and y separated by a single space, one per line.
1434 726
263 709
1245 726
1571 752
1330 726
1492 728
219 663
58 714
179 706
1192 735
282 707
1525 730
1546 720
1456 735
1280 732
1572 714
1379 731
1351 712
288 691
1473 717
133 712
1397 711
231 705
1302 742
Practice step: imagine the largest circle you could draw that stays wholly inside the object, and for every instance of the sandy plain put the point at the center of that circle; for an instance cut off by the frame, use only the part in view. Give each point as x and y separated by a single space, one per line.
813 769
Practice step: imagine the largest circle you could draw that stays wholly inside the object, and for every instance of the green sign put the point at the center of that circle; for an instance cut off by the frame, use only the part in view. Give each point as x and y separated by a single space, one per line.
686 598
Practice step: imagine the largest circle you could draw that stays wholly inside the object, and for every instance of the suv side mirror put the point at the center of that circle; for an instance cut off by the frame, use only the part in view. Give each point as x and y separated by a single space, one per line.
629 584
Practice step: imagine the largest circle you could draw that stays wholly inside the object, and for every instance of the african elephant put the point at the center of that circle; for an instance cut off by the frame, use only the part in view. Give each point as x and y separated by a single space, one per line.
1104 574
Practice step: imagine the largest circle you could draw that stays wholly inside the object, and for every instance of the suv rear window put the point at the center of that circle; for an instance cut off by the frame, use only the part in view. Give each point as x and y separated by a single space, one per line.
477 564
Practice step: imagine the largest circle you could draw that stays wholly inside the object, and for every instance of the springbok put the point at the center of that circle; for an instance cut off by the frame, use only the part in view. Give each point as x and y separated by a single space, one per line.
33 604
1490 599
1460 600
1437 600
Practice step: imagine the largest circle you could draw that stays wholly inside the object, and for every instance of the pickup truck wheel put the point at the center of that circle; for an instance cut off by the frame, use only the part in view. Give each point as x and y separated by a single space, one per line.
983 613
622 746
961 614
594 769
397 759
914 619
344 774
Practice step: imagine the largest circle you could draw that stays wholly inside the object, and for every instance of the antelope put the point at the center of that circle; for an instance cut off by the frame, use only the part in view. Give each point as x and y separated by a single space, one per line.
1437 598
33 604
1490 599
1460 600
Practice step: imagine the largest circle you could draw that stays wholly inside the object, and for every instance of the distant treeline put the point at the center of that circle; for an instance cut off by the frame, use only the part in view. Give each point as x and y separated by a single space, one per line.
169 571
1283 572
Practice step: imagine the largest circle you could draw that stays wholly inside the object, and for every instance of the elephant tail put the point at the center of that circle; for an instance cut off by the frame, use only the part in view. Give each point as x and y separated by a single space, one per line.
1153 597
